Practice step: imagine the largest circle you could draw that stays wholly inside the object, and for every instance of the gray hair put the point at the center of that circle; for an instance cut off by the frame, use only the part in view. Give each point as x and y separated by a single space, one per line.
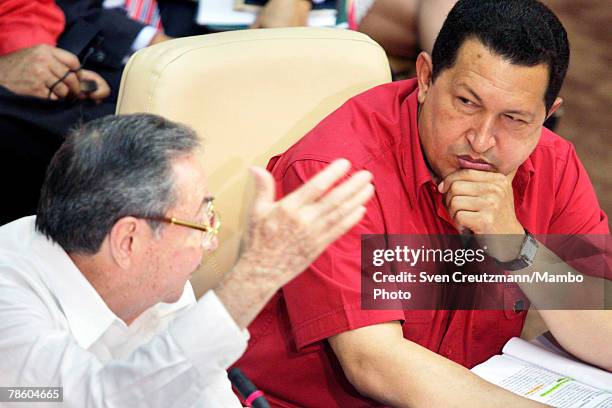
107 169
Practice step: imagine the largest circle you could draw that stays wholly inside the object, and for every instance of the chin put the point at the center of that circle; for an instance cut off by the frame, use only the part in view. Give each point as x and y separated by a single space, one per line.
174 296
445 171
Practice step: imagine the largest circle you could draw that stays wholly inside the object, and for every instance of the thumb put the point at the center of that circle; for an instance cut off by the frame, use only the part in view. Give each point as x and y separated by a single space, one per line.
264 189
103 89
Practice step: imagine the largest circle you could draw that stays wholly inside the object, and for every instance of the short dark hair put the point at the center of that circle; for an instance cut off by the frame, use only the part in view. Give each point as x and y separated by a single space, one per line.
525 32
107 169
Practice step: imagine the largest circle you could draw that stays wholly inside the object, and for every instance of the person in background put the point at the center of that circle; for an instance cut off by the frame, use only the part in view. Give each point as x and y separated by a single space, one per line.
402 28
59 68
41 96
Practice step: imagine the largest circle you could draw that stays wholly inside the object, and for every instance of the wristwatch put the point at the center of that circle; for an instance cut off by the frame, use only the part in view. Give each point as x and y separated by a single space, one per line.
529 250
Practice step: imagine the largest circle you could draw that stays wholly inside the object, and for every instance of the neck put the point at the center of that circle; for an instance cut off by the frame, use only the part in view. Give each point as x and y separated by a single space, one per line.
113 290
434 176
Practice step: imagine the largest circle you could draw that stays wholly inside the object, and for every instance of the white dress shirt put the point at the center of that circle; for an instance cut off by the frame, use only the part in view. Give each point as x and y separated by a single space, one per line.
55 330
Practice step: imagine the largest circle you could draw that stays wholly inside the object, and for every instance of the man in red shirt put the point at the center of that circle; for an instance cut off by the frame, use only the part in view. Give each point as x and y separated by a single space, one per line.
459 148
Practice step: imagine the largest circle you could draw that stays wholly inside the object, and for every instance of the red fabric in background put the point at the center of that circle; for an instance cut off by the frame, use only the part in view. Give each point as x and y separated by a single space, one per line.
25 23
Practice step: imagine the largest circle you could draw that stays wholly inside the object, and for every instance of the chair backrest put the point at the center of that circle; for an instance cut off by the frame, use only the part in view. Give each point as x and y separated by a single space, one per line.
250 94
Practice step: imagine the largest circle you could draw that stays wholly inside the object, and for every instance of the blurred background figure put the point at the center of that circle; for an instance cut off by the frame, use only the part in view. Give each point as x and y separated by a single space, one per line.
40 98
40 42
283 13
61 65
401 27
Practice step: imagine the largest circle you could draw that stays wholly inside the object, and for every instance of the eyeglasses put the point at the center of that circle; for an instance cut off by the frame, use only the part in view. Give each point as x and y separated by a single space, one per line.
210 225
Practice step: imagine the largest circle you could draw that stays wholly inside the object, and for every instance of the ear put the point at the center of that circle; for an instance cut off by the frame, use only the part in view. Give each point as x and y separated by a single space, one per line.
554 107
424 69
123 240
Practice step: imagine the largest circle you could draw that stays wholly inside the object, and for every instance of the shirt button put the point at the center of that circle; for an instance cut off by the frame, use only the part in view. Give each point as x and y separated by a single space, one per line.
99 56
519 306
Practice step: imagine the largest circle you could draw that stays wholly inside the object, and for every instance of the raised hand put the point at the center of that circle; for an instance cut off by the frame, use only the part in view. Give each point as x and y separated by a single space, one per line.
285 236
481 201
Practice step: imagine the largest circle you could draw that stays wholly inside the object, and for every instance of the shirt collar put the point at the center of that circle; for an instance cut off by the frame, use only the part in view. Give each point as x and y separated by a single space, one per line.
87 314
521 180
415 166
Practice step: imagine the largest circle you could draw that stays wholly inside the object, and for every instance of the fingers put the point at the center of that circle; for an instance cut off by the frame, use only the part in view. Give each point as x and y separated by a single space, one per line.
318 185
470 175
264 190
340 227
66 58
102 92
471 220
458 203
332 224
49 73
35 88
103 89
70 81
58 89
344 191
61 65
343 207
471 189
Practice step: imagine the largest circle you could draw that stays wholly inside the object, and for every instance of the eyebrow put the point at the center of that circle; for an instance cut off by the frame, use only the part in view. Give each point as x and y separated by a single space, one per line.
475 95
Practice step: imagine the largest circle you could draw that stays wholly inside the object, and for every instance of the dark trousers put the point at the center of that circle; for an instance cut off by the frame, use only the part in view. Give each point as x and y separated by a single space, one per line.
31 130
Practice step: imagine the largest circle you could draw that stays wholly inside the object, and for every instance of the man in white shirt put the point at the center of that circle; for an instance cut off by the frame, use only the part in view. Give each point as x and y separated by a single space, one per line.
94 291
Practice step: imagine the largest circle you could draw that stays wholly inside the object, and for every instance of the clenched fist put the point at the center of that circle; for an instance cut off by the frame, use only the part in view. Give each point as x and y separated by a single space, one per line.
483 202
286 236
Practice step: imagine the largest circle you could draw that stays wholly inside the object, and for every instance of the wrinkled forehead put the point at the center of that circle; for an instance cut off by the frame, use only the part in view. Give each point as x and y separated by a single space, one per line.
494 77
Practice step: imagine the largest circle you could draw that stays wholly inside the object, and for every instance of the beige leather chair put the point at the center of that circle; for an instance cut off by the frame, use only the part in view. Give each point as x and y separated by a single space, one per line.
250 94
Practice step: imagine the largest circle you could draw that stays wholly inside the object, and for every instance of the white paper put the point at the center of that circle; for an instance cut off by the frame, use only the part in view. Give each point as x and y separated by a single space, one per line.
540 384
543 373
541 357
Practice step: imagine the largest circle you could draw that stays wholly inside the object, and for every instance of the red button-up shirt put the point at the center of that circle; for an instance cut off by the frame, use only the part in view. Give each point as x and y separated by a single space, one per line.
287 357
25 23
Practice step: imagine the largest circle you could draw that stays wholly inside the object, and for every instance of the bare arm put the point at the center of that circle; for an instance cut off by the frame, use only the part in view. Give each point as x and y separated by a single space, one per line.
431 16
582 329
283 13
574 329
381 364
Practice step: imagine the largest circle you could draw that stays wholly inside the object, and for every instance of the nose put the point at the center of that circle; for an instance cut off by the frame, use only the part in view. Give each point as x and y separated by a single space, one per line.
482 136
